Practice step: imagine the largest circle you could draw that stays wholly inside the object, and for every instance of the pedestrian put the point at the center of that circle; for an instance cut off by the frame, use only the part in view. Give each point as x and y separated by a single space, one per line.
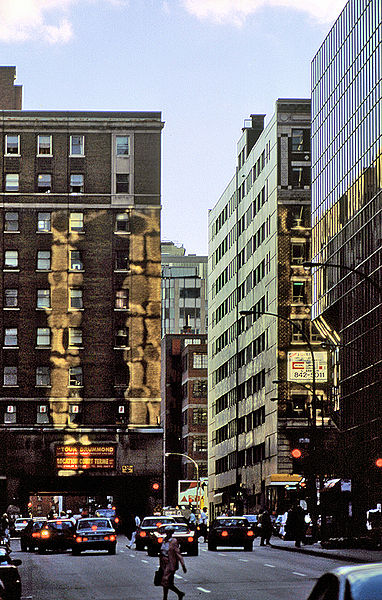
265 527
295 525
169 559
137 522
203 520
192 520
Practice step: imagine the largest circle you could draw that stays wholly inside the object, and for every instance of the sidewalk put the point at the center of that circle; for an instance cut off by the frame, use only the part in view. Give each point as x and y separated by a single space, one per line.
355 555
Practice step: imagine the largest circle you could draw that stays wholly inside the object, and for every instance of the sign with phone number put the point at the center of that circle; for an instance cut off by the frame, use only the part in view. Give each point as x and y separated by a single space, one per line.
300 366
85 457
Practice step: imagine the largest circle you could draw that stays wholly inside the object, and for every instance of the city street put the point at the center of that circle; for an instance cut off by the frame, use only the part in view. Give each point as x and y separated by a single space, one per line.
264 574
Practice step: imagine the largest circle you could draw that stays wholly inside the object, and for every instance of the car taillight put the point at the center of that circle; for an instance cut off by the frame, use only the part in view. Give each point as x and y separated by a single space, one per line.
159 525
190 539
142 534
85 539
106 538
224 533
116 520
250 532
45 533
94 527
78 539
112 538
160 540
36 534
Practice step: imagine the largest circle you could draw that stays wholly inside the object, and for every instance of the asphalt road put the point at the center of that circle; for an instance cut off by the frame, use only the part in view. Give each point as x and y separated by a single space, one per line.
228 574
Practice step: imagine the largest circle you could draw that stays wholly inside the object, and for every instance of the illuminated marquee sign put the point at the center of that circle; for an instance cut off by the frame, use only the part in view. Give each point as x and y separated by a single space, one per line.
75 458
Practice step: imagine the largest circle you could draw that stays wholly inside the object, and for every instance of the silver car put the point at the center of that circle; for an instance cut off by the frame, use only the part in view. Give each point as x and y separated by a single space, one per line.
360 582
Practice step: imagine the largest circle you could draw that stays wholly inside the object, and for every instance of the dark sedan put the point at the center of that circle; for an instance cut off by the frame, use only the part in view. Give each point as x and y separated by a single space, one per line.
231 532
29 534
10 583
187 539
109 513
94 534
55 535
148 525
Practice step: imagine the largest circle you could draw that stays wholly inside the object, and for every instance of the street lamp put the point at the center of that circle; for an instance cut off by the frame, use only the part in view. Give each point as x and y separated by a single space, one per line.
312 478
197 472
362 274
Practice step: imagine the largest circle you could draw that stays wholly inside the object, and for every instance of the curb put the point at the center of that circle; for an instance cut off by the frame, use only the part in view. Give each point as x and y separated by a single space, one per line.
334 556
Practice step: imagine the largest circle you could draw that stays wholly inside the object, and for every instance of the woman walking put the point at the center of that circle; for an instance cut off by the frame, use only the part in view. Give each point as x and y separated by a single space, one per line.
169 560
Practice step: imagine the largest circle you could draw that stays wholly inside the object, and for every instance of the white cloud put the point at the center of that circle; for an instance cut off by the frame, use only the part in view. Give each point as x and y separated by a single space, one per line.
236 11
39 20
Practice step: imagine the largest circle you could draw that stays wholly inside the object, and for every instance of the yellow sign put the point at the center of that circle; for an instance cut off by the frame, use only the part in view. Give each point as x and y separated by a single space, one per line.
127 469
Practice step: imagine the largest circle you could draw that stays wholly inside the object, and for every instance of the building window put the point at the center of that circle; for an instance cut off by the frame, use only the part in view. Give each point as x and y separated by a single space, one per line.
199 416
300 177
199 361
298 291
315 335
122 299
43 260
77 183
298 405
75 300
75 337
297 140
12 144
76 221
122 223
297 335
122 260
122 183
199 444
199 388
44 183
11 221
298 253
44 145
44 221
75 377
76 263
11 259
43 376
42 414
10 414
10 375
43 298
122 338
10 298
10 337
12 182
77 145
122 145
43 337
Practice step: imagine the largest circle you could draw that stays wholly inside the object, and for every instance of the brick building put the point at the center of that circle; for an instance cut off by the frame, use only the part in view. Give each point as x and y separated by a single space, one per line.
80 351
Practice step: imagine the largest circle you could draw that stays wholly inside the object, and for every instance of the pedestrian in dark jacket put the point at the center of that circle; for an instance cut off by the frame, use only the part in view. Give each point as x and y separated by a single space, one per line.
295 525
169 559
265 528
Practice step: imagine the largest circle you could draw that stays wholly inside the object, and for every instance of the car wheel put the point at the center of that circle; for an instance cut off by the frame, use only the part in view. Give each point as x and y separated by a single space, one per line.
112 550
151 552
24 547
76 551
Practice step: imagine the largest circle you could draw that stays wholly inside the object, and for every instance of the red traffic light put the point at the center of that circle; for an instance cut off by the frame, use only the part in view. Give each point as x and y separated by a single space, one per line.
155 486
296 453
378 462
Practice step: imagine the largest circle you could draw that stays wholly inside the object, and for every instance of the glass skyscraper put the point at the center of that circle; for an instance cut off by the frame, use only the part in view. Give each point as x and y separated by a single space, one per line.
347 234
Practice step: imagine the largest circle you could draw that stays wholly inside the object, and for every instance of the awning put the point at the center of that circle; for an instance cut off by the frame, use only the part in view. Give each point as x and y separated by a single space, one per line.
284 479
218 498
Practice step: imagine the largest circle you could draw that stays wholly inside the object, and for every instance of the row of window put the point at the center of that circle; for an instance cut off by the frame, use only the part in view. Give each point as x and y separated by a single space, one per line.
43 376
43 416
44 183
12 145
44 260
43 298
198 416
76 222
244 458
75 337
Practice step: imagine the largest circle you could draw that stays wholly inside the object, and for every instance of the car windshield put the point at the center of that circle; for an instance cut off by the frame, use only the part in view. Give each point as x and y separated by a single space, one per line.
89 524
60 525
105 512
231 523
157 522
252 518
177 528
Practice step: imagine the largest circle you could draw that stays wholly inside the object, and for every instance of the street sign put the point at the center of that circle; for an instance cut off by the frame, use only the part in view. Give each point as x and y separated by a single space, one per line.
127 469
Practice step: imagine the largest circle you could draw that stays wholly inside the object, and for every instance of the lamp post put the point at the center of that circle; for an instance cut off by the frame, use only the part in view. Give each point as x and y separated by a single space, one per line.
197 472
312 478
362 274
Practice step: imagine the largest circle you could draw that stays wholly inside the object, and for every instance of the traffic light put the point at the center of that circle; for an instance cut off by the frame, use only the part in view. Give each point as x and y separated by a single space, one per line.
155 487
296 453
378 463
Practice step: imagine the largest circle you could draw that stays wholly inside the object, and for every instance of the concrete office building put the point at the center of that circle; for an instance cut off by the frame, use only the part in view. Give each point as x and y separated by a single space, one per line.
347 231
80 330
259 236
184 290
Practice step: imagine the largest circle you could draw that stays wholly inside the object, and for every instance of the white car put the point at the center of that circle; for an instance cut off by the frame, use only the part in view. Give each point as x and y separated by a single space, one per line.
360 582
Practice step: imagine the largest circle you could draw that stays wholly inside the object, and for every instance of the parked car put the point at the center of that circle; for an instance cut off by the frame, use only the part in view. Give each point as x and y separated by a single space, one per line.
147 526
29 534
19 524
359 582
10 582
109 513
230 531
187 539
55 534
94 533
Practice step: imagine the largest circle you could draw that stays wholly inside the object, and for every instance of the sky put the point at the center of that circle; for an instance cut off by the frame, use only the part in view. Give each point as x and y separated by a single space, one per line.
206 65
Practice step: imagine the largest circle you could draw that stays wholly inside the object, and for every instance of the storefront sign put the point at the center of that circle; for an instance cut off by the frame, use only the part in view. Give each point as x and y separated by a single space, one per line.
300 366
73 457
